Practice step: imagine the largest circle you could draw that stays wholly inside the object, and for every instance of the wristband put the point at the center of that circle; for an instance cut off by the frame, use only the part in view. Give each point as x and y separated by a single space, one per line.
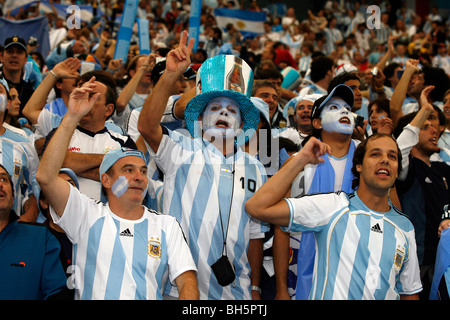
446 214
54 74
257 289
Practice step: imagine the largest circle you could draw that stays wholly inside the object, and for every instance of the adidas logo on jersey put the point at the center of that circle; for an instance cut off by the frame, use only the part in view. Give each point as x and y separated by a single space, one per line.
376 228
126 233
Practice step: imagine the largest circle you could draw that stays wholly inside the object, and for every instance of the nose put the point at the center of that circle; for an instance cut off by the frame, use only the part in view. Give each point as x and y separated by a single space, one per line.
345 110
224 112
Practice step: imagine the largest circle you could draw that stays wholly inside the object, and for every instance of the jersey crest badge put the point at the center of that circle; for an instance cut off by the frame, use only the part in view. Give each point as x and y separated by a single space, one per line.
17 168
398 259
154 248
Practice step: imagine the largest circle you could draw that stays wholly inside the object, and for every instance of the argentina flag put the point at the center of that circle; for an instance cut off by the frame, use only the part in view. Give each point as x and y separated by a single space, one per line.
247 22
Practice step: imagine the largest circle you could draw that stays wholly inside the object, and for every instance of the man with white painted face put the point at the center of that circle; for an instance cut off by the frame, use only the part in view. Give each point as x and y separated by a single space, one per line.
122 250
333 124
207 177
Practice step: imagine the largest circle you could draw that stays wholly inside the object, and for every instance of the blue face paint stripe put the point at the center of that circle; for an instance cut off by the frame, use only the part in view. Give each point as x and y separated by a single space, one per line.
120 186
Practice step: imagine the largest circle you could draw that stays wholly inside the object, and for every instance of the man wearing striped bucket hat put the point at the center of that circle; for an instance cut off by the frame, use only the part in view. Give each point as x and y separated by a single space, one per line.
207 177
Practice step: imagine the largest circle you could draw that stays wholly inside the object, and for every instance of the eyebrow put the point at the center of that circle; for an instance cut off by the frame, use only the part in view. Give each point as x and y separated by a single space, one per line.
129 165
379 149
4 175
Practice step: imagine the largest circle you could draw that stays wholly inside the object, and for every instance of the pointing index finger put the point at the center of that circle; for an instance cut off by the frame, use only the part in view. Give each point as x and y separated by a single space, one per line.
183 39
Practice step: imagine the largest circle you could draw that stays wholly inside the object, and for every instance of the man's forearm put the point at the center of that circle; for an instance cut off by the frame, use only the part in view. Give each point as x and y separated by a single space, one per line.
255 257
82 162
153 110
37 101
53 157
187 286
128 91
399 95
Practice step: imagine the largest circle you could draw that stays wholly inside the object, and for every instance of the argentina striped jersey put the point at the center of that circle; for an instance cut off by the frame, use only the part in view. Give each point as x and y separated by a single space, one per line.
20 159
198 188
360 253
115 258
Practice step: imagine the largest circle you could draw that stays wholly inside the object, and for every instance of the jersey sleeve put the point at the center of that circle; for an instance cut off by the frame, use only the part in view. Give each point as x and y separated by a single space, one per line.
406 141
47 121
313 212
174 149
410 282
179 255
258 228
79 214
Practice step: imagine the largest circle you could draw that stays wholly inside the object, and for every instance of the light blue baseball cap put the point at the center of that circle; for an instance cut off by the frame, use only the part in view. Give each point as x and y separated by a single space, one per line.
114 155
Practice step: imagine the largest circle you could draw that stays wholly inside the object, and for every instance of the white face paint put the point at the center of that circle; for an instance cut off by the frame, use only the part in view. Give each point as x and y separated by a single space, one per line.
222 115
336 117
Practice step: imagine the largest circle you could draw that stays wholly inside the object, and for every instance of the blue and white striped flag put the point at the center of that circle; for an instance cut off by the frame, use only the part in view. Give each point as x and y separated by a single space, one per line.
247 22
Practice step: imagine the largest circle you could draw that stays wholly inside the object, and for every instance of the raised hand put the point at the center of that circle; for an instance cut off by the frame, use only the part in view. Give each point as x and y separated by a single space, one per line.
386 125
149 62
313 151
412 64
67 69
179 59
424 98
82 99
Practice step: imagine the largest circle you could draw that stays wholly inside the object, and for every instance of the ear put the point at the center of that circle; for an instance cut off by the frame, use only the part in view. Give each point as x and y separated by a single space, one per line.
58 85
106 181
358 167
317 123
43 204
109 109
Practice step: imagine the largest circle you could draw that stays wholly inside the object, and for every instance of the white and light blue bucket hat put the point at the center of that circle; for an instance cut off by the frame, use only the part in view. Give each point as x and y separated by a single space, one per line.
223 76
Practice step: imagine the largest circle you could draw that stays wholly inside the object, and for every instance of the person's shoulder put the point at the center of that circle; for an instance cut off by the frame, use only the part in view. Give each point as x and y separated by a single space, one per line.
34 229
160 218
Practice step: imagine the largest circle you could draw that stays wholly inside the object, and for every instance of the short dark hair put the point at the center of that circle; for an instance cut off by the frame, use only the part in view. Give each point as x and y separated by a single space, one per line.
320 66
439 79
406 119
360 152
383 104
342 79
268 73
260 84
